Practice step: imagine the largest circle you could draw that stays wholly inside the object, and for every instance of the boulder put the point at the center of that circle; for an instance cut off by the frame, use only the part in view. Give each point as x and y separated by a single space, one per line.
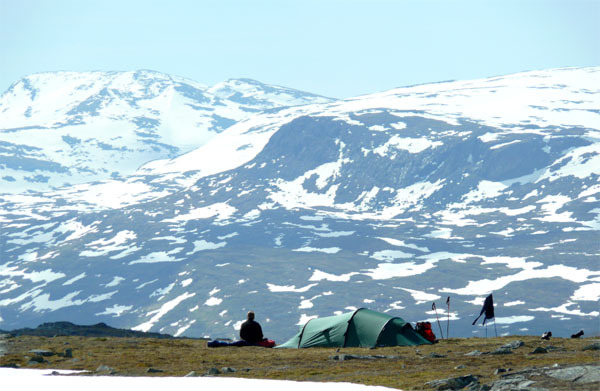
513 345
454 383
345 357
154 370
41 352
594 346
583 374
37 359
105 369
502 350
513 383
435 355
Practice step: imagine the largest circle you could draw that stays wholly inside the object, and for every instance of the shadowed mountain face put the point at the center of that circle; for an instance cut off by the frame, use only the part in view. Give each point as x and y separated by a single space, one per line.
389 201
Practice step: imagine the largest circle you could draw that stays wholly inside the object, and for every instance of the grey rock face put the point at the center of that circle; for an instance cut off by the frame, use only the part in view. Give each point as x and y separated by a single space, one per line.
580 374
514 383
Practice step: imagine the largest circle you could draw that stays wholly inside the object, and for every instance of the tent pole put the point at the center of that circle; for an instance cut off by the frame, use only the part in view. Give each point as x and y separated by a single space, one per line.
433 307
495 328
448 325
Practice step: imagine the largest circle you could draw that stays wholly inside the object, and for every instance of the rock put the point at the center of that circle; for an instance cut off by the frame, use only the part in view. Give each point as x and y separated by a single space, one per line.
499 371
435 355
594 346
228 370
502 351
518 382
213 372
454 383
33 362
68 353
551 348
578 334
41 352
513 345
191 374
37 359
539 350
345 357
583 374
547 335
474 353
459 367
105 369
154 370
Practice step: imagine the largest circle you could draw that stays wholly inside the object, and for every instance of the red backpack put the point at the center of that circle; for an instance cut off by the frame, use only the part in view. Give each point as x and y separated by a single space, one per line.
424 328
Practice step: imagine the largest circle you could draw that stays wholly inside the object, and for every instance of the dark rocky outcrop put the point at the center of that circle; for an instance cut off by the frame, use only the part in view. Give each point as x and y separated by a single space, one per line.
52 329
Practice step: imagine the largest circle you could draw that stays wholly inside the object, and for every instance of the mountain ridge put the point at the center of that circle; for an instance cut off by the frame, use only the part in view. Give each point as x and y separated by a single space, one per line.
62 128
390 201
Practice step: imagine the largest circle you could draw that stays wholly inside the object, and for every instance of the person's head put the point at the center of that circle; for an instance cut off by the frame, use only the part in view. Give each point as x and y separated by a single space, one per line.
250 315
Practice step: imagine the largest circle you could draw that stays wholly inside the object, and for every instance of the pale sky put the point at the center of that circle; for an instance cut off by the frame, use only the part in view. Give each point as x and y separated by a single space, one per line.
336 48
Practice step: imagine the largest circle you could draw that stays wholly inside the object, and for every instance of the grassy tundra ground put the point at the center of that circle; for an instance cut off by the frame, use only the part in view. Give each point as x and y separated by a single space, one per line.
402 367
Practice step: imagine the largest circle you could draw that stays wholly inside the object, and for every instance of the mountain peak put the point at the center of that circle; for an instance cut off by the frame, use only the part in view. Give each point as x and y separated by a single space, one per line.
108 124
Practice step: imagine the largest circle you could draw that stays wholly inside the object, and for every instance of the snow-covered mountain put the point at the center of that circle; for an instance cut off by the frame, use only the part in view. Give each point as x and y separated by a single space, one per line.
62 128
388 201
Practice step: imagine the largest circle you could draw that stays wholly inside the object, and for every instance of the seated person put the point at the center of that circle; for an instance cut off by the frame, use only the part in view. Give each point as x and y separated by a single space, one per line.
251 331
250 334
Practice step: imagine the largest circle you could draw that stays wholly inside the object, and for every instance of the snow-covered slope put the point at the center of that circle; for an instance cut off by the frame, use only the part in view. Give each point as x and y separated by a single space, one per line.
388 201
62 128
517 103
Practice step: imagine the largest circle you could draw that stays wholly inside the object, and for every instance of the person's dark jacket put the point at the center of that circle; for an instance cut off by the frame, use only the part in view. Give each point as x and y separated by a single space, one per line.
251 332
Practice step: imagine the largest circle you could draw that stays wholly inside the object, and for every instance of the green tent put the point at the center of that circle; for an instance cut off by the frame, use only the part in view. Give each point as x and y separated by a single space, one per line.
360 328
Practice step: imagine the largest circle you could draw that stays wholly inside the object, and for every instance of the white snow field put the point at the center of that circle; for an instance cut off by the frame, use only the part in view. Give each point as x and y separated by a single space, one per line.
31 379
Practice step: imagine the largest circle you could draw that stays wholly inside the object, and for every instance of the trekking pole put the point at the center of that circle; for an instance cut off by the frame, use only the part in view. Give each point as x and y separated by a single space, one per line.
438 319
448 325
495 328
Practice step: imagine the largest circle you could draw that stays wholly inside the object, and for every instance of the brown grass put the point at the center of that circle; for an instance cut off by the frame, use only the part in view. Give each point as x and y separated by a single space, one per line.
410 369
